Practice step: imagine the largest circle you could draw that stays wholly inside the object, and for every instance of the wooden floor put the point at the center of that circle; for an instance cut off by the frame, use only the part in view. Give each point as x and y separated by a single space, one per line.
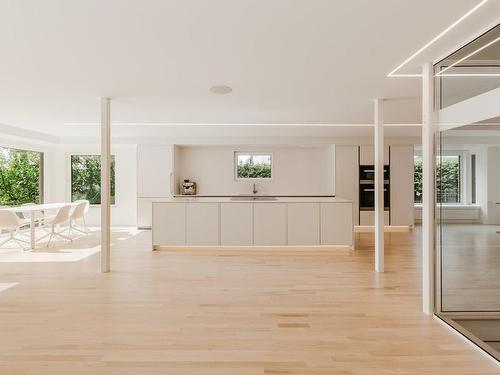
470 268
238 312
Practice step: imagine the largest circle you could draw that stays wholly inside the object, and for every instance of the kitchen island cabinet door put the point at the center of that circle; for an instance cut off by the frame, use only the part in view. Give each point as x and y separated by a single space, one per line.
303 224
202 224
336 224
270 224
169 224
236 221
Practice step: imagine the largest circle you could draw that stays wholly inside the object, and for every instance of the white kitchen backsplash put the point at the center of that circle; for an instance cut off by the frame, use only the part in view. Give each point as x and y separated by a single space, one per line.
296 170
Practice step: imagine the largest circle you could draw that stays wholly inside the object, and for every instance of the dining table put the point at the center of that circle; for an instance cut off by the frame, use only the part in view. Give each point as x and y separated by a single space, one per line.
32 210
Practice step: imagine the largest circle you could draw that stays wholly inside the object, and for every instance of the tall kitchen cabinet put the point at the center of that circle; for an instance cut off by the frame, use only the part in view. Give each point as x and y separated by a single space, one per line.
367 158
347 176
367 155
402 185
155 179
348 158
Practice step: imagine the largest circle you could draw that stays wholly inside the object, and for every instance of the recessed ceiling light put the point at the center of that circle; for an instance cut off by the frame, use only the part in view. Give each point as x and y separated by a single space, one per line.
394 74
221 89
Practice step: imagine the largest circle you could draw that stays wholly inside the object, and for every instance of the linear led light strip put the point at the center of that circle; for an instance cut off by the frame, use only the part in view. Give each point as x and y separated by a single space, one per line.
392 74
465 58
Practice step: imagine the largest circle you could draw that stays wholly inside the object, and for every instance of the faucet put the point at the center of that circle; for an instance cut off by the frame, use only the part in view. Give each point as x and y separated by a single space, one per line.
255 191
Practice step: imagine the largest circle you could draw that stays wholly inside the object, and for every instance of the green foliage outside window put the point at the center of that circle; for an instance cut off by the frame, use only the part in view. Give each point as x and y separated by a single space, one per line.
447 179
254 166
20 176
86 178
248 170
417 180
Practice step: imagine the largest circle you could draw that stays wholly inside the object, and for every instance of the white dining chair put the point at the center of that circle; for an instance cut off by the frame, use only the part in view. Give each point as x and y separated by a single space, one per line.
60 217
79 212
10 222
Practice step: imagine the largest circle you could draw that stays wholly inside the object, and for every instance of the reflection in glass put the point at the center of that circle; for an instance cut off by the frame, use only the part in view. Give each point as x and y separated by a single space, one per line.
472 70
468 205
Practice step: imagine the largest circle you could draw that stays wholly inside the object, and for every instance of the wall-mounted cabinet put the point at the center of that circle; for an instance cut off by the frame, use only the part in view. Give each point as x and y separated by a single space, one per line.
155 179
402 185
347 176
367 155
154 171
399 158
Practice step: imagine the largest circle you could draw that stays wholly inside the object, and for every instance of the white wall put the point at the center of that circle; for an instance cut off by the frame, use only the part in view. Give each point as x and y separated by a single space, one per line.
296 170
454 214
124 211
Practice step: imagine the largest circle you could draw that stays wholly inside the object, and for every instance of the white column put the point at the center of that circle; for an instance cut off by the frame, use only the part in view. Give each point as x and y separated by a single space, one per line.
428 204
379 185
105 184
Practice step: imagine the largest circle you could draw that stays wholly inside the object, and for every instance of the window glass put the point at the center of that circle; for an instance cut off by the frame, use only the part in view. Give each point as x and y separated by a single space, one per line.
417 180
253 165
21 177
447 179
86 178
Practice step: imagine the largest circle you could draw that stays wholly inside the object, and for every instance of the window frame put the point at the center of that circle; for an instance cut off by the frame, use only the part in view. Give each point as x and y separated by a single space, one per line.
253 153
41 172
70 175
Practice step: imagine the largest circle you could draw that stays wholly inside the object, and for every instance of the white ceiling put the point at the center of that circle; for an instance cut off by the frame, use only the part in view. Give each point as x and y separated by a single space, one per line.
288 61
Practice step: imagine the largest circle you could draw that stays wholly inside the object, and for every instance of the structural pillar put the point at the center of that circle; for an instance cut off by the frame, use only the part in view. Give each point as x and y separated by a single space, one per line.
105 184
379 185
428 189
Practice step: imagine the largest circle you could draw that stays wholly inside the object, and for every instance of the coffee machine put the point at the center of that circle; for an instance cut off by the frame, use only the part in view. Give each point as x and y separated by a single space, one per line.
188 188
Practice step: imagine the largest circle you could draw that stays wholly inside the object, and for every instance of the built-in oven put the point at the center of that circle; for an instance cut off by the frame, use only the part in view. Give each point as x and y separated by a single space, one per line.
367 197
367 174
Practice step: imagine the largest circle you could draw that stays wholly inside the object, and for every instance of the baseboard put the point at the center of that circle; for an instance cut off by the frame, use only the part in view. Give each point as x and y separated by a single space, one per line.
387 228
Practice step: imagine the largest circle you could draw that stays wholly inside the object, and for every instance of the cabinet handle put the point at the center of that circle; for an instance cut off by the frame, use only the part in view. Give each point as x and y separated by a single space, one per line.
171 184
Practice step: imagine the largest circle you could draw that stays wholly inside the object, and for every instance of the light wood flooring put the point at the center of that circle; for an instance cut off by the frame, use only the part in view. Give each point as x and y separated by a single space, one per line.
470 268
226 312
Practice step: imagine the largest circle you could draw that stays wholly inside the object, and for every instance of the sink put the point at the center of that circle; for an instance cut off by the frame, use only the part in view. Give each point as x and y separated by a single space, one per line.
249 199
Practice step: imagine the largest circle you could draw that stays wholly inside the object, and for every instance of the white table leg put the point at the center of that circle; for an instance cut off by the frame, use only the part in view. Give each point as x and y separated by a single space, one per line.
32 229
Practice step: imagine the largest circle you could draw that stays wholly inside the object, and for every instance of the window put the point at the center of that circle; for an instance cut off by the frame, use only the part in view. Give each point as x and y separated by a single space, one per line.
21 177
253 165
86 178
448 179
417 178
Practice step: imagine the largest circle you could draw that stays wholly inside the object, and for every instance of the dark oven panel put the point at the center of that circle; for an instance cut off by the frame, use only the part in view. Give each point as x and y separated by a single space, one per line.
367 197
367 174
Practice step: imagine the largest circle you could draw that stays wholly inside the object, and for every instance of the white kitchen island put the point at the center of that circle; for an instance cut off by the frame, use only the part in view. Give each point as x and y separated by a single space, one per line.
253 221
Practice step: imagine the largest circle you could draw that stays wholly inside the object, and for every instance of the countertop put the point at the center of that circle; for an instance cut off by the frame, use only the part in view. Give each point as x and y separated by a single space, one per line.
249 199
